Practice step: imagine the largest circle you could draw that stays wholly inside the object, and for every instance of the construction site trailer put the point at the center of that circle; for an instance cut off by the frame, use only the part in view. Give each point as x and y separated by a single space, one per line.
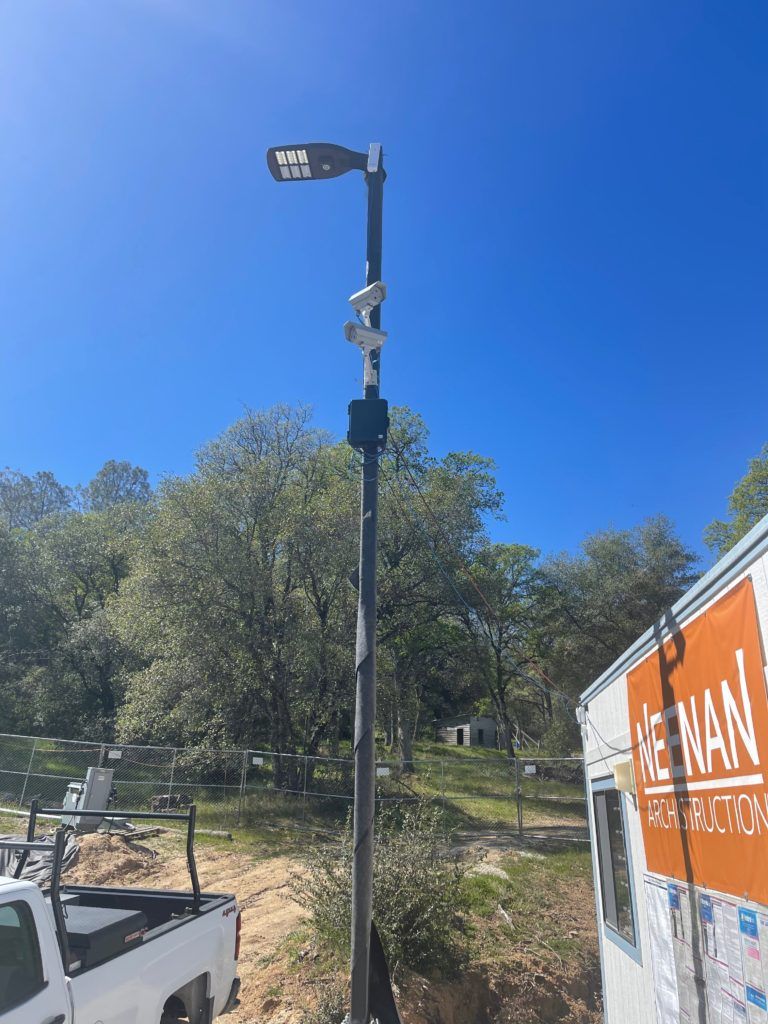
675 738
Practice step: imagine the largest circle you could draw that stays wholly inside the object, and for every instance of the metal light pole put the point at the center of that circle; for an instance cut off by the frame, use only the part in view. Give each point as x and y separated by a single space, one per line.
367 432
365 650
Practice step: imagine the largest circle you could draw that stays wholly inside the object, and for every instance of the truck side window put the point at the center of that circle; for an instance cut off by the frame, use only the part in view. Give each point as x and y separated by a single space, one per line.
21 968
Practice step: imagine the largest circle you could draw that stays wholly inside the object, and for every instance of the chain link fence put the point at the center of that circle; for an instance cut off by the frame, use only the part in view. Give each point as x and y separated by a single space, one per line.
527 797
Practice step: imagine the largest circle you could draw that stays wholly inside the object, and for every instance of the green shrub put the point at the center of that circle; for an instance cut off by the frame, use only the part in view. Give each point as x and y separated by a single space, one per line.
416 888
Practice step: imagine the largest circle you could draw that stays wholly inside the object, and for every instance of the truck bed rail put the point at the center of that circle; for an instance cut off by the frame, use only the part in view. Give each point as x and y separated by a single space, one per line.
190 816
59 845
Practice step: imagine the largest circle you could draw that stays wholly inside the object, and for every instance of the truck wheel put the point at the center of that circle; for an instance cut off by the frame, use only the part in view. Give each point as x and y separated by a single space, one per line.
174 1011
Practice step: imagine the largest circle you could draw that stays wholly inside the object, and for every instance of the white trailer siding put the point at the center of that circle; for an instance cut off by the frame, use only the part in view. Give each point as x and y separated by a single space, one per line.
628 979
627 994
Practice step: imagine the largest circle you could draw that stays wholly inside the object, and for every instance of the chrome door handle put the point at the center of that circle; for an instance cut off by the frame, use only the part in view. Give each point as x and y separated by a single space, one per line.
61 1019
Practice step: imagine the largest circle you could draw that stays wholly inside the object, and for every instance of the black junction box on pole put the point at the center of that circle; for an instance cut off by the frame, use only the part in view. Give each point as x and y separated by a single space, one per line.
368 422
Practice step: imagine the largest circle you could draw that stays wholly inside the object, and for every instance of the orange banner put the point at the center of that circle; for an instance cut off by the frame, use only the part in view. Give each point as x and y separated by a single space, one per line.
698 718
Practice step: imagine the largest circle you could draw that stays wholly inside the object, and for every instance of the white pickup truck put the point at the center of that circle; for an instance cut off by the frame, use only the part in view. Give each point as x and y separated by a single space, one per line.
87 955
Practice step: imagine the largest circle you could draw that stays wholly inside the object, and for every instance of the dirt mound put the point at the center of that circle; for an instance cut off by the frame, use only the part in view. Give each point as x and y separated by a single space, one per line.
107 860
526 993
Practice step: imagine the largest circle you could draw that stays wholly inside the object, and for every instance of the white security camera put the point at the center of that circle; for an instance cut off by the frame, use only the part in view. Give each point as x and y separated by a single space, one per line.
368 299
366 338
369 340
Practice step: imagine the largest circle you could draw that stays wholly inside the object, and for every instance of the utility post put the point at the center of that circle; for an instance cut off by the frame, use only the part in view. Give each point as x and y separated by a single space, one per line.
372 411
368 423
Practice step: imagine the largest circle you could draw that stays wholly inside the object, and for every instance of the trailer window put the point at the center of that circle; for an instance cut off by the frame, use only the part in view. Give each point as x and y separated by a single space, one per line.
21 969
615 878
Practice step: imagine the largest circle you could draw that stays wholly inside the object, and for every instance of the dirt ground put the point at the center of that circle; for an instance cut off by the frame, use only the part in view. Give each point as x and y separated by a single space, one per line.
282 980
268 913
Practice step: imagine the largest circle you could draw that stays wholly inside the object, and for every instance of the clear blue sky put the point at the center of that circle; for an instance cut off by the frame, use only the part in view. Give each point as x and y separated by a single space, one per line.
575 236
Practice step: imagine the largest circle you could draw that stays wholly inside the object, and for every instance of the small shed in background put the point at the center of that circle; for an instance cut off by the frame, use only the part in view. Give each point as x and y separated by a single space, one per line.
467 731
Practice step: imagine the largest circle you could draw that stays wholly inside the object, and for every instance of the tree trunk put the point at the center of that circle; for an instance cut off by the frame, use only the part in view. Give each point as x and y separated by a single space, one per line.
390 737
335 729
509 742
404 741
404 735
548 716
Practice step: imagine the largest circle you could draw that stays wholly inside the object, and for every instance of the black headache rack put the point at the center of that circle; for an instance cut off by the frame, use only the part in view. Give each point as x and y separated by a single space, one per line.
59 845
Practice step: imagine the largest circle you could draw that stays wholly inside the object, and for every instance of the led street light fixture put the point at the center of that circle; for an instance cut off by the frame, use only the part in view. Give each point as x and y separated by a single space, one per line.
307 161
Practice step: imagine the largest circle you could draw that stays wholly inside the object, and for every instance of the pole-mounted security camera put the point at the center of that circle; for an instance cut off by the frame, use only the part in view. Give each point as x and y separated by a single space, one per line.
364 336
368 340
365 301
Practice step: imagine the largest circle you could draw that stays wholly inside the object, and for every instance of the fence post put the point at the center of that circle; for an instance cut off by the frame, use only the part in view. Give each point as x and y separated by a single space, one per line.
243 774
29 769
170 783
519 793
304 799
442 788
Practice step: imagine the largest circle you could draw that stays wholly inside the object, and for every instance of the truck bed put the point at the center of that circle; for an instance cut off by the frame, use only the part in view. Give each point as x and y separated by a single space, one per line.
154 913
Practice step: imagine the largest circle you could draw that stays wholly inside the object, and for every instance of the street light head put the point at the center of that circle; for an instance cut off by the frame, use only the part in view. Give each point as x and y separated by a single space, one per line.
307 161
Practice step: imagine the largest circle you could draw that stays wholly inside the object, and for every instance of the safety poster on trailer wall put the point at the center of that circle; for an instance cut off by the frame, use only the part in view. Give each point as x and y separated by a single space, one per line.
709 955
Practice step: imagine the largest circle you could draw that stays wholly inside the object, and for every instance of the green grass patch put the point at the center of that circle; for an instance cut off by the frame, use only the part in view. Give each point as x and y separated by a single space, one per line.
543 902
432 750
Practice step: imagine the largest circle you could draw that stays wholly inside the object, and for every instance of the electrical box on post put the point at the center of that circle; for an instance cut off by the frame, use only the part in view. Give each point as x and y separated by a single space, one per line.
368 422
91 795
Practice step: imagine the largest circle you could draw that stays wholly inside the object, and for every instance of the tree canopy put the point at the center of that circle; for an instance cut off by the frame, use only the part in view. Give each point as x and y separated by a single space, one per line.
747 505
220 609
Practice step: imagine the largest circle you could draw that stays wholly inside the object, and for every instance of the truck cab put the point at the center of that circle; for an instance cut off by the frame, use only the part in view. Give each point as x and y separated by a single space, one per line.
33 987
